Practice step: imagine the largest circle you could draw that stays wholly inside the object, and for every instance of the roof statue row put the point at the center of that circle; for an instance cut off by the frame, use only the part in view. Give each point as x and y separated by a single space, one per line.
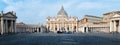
8 14
113 12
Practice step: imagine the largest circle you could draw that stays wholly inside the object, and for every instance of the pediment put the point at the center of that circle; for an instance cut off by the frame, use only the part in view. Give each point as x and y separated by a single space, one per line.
10 15
116 15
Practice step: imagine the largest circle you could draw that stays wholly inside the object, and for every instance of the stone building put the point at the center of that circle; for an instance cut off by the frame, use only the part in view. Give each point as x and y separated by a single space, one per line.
114 21
108 23
62 22
7 22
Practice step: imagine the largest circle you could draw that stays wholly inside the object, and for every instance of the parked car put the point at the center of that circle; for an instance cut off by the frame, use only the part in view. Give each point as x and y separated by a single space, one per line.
68 32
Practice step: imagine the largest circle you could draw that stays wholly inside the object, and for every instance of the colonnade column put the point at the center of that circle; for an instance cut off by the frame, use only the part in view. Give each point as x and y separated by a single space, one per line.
6 25
60 26
111 26
15 26
57 27
91 29
87 29
37 29
2 26
114 26
50 27
119 27
12 26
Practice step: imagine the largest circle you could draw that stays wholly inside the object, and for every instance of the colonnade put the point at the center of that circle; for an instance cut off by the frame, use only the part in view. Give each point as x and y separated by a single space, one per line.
8 26
96 29
28 28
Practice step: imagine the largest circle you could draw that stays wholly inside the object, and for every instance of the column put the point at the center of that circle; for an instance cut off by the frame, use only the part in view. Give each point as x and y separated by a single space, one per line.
54 26
76 27
119 27
2 26
12 26
15 26
31 29
6 25
111 28
72 27
4 31
114 26
58 27
87 29
41 29
38 29
91 29
49 27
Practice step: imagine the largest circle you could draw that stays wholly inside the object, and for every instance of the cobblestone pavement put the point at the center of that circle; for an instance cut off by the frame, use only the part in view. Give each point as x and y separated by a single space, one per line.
60 39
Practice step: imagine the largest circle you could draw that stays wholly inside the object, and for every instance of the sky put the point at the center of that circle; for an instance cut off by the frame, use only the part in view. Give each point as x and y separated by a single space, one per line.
36 11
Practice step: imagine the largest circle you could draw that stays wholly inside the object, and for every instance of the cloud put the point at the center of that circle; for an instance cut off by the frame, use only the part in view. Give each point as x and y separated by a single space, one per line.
91 5
36 11
31 11
6 1
26 11
11 6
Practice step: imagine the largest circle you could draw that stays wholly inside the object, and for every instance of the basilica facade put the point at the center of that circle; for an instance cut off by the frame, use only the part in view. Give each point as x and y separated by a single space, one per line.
62 22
